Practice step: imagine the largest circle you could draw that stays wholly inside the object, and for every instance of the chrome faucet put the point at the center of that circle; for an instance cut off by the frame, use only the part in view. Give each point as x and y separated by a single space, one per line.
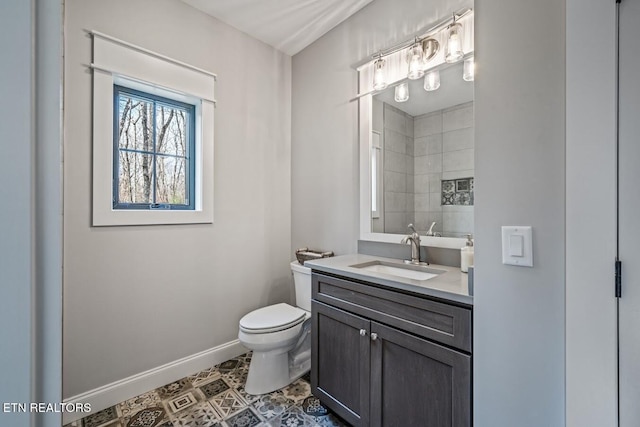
414 239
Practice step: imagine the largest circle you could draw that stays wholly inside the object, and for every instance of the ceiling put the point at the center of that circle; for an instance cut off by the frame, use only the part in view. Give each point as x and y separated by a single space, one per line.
287 25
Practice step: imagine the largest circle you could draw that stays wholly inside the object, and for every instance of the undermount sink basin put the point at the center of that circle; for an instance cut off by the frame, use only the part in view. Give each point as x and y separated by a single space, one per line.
407 271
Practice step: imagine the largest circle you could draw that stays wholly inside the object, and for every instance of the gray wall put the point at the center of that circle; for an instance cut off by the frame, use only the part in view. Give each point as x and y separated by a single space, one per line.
16 175
519 312
139 297
324 133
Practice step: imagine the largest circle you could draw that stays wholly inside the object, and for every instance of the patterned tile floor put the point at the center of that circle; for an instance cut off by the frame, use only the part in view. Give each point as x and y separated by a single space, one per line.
215 397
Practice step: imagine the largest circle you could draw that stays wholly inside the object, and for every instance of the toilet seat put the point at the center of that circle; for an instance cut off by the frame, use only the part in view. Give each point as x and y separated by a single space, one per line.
273 318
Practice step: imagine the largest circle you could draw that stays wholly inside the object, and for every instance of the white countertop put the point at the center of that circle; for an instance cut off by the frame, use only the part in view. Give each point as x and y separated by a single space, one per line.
451 285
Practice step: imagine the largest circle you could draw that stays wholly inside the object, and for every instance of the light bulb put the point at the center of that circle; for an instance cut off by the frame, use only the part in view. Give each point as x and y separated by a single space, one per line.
468 70
432 80
453 49
402 92
379 80
416 63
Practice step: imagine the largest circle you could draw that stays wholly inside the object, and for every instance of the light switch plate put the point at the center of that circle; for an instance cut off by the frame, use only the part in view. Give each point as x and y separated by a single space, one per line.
517 245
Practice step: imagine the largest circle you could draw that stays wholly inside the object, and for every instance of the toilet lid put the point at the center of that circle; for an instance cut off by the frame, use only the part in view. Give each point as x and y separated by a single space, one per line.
273 318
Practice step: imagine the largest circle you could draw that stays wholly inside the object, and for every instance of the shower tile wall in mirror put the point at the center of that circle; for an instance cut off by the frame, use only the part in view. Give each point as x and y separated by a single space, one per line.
427 150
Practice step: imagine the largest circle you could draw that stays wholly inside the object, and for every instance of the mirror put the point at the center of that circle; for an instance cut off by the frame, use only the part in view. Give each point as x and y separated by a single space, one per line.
417 158
423 158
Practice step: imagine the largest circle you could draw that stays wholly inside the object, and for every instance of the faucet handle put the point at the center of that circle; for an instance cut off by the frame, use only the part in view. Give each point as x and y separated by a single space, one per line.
410 227
430 231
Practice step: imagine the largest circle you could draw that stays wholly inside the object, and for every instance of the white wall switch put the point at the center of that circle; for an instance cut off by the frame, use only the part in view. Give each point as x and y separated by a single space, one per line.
517 246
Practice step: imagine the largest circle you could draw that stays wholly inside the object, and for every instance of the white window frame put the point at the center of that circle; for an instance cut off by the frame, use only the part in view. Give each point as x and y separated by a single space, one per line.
119 62
376 174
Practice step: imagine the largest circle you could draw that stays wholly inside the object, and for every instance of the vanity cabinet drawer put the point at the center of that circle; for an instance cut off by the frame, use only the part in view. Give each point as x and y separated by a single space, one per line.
444 323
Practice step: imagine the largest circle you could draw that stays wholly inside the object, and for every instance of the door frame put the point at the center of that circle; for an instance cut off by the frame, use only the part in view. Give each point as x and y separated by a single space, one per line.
591 306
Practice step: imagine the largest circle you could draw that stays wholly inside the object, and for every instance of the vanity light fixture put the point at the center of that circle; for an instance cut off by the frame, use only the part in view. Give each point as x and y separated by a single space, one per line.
379 79
416 62
432 80
402 92
468 70
453 49
423 57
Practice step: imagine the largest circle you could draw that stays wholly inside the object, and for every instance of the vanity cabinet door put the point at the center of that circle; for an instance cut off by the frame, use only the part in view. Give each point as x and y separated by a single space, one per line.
415 382
340 364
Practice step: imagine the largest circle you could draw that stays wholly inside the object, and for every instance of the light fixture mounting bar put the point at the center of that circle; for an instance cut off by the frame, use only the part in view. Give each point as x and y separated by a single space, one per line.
424 34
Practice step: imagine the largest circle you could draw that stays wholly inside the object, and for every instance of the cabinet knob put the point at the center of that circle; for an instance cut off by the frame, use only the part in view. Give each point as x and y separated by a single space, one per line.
363 332
374 336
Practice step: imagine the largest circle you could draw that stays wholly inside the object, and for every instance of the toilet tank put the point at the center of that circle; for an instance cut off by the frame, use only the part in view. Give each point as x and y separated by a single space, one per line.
302 281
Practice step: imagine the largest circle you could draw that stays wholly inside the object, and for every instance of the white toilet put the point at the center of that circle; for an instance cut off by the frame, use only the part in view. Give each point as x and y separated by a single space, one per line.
279 336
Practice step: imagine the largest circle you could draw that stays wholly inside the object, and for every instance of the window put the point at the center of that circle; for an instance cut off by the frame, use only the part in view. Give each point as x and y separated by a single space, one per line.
376 174
153 156
154 152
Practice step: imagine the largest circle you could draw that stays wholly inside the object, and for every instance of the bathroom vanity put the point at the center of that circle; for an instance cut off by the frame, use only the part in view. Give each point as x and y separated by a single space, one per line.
389 350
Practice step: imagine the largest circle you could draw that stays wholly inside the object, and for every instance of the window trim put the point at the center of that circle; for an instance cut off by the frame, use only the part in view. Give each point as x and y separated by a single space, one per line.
191 151
376 174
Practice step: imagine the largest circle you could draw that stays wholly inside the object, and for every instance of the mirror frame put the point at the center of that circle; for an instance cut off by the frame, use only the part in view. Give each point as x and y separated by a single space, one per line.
364 136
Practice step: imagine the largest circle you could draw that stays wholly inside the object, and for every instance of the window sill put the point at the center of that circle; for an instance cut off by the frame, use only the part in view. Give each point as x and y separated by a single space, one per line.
153 217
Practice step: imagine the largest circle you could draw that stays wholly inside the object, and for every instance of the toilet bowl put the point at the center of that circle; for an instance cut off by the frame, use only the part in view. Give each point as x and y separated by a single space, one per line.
279 336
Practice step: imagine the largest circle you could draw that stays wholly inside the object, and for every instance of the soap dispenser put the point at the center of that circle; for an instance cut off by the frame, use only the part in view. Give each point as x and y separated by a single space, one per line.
466 255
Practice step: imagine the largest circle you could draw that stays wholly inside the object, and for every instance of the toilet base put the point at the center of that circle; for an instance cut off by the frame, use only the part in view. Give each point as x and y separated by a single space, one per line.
272 370
268 372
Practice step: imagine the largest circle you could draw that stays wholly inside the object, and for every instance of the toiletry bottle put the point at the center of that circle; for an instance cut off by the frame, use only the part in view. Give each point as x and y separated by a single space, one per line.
466 255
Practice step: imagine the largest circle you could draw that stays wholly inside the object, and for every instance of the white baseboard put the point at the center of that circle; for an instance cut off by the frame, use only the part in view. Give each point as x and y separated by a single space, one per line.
119 391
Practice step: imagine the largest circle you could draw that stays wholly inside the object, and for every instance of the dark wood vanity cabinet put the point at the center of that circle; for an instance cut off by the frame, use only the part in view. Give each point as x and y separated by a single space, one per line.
375 361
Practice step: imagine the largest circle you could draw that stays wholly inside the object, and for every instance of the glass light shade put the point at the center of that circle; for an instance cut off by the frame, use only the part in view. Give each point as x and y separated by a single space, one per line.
468 70
453 48
432 80
379 79
402 92
416 62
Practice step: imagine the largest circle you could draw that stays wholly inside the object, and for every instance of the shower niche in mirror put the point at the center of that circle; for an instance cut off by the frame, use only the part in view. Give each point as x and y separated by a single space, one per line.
417 147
